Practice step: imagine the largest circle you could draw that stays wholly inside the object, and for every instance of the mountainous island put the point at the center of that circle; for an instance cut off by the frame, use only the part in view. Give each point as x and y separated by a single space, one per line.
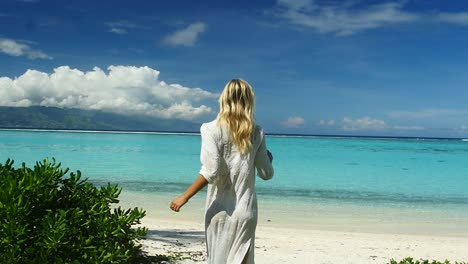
40 117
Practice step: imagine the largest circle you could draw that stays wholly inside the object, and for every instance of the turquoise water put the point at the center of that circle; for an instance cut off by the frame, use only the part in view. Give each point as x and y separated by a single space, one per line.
339 170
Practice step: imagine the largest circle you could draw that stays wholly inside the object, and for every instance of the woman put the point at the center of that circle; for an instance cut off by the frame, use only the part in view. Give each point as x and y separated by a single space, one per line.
232 147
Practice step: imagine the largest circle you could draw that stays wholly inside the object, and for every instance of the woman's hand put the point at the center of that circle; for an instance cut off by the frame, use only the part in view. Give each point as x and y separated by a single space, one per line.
270 155
178 202
199 183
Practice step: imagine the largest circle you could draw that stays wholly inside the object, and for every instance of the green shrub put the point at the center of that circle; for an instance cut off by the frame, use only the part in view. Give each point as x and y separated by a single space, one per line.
48 218
411 261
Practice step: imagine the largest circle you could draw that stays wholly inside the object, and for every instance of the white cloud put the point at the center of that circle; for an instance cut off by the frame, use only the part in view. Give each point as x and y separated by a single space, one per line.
121 27
119 31
462 129
14 48
187 36
329 122
365 123
123 89
454 18
295 121
122 23
343 18
428 113
409 128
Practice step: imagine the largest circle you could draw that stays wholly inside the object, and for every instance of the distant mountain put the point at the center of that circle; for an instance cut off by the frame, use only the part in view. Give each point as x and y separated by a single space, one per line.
41 117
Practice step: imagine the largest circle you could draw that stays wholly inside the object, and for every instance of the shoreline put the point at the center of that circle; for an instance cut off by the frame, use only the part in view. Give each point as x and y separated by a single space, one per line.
319 215
319 235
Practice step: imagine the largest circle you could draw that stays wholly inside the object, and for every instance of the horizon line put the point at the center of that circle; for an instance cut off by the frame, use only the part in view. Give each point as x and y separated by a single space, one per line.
175 132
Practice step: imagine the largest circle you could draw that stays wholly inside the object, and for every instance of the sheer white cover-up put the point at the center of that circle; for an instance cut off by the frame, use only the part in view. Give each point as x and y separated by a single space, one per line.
231 204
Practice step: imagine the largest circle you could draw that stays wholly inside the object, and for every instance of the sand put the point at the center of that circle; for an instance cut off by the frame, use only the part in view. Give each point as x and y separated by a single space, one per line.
287 245
325 237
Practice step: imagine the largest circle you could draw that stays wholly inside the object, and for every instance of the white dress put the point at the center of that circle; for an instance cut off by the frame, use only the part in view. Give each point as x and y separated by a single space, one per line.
231 204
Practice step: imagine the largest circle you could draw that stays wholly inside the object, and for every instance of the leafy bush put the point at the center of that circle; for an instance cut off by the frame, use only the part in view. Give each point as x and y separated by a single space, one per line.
411 261
48 218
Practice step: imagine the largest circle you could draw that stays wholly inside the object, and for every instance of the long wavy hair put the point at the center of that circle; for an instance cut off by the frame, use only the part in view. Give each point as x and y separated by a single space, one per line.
236 110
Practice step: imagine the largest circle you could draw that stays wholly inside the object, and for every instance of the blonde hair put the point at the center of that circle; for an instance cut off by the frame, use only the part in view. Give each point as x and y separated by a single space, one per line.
236 110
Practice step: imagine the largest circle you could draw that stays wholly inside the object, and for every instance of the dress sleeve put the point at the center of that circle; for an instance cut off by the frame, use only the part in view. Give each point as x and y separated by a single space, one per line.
262 161
209 155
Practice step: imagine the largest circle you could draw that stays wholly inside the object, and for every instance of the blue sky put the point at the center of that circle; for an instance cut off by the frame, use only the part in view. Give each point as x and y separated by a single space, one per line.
395 68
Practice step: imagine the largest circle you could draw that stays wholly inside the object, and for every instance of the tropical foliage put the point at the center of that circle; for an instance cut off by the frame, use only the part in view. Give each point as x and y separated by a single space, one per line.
48 217
412 261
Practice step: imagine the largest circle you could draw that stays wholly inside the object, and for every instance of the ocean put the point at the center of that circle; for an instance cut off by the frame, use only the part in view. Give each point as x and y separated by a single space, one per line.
423 174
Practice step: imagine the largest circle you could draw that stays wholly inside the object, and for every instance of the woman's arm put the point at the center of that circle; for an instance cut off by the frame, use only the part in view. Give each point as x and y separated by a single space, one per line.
199 183
263 160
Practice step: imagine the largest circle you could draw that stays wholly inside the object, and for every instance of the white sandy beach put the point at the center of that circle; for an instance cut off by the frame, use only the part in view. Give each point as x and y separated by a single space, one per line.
309 240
